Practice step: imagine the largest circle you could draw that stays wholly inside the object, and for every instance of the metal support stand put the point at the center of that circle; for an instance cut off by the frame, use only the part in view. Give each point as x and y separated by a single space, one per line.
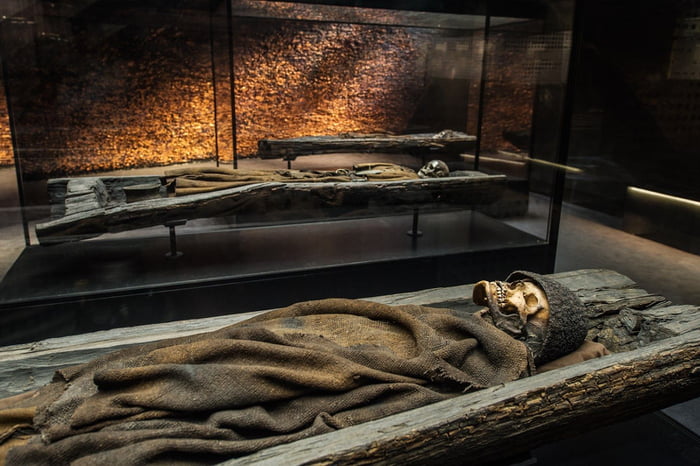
173 253
414 232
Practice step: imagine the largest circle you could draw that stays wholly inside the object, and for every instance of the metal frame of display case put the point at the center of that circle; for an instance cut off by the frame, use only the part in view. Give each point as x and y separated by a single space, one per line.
180 298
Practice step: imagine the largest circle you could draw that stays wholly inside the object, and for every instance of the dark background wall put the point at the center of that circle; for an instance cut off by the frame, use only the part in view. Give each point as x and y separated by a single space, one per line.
97 87
637 108
636 121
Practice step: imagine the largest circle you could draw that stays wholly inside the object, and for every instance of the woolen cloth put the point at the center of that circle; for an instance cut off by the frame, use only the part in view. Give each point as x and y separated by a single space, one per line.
307 369
202 180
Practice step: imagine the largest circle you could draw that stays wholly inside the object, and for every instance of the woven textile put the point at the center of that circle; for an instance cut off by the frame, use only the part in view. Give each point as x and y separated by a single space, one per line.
307 369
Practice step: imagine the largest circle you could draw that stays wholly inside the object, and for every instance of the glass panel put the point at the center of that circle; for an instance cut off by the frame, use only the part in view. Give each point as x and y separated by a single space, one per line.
12 229
123 112
523 110
636 126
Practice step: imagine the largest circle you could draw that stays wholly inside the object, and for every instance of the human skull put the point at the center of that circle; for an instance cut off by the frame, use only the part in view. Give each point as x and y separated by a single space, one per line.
520 309
434 169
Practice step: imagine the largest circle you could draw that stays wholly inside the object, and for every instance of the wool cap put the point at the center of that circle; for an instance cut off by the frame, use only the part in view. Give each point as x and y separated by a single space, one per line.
567 327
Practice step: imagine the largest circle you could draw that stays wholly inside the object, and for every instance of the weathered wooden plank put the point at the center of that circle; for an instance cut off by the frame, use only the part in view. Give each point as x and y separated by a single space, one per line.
634 328
80 186
472 427
105 190
76 196
27 366
81 203
657 324
262 197
592 279
444 142
427 297
503 421
31 365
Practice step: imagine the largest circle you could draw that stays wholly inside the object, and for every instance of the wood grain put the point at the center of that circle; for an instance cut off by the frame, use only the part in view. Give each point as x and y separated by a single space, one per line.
89 207
656 364
448 142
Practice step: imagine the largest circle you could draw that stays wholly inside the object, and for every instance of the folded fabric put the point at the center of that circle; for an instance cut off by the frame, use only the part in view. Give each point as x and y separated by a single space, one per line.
202 180
310 368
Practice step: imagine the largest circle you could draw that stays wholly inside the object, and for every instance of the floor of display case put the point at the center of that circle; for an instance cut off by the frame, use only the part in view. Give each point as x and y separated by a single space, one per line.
133 263
128 280
586 241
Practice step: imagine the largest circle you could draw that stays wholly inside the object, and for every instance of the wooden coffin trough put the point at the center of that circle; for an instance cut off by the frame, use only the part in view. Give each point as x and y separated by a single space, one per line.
86 207
655 363
446 142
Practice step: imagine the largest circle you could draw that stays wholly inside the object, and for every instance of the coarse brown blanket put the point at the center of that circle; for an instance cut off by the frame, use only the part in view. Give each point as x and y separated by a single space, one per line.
202 180
307 369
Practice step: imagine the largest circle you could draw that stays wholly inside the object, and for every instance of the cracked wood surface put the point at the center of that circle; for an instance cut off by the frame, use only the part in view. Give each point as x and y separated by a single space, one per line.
656 345
29 365
447 142
87 207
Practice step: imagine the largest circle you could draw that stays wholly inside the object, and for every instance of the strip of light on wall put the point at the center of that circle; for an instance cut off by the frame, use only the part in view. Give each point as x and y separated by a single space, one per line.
484 158
556 165
667 197
543 162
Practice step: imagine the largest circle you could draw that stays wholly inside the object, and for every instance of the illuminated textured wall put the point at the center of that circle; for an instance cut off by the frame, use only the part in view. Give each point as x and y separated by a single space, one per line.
92 98
6 156
299 79
88 102
145 97
509 90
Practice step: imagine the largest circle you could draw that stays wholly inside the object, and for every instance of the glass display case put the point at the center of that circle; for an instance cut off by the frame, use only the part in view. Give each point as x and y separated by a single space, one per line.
174 160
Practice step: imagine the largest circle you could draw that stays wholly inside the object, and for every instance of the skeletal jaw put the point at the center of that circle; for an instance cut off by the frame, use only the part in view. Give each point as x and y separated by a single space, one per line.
520 309
486 293
500 295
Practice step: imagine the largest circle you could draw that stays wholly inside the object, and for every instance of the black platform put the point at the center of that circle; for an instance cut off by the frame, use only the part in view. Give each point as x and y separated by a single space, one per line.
128 280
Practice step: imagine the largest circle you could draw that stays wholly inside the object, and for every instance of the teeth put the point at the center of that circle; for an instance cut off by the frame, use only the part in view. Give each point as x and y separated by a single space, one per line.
500 294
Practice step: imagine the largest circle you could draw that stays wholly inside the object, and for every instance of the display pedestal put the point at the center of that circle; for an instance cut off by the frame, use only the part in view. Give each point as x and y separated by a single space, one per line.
654 365
93 285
